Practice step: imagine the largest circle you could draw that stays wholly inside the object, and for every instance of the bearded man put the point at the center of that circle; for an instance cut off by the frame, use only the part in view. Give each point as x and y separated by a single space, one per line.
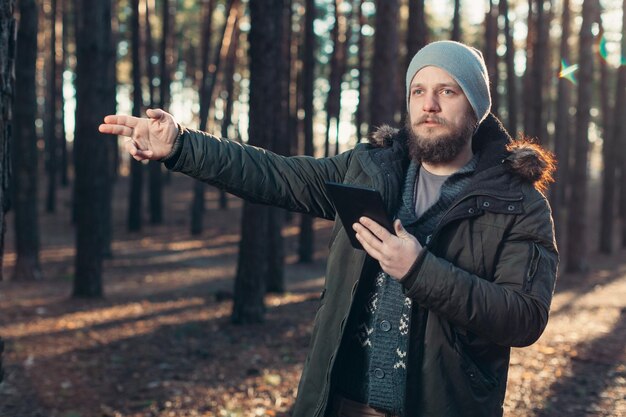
420 322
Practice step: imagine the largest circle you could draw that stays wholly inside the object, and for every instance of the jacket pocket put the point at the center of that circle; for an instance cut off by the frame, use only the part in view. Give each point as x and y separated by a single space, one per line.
533 263
480 381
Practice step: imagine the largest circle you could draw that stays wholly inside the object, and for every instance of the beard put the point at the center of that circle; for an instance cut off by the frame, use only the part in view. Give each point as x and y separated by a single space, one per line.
442 148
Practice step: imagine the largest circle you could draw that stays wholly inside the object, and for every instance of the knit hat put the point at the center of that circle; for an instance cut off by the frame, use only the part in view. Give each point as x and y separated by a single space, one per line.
464 63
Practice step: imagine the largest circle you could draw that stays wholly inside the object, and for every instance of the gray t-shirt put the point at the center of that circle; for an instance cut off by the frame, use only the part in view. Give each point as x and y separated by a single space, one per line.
427 190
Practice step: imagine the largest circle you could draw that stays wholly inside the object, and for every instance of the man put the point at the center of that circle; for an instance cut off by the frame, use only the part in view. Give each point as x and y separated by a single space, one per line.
421 322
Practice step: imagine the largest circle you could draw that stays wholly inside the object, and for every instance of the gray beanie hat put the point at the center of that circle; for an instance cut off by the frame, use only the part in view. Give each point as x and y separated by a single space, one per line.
465 64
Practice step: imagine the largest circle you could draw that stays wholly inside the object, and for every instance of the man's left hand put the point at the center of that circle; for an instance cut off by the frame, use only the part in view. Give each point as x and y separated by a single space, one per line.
395 253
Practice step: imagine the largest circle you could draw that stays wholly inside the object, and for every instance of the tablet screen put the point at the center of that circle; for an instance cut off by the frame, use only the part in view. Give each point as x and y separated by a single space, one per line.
352 202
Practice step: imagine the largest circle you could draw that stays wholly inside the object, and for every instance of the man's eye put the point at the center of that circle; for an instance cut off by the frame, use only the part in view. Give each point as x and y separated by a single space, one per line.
447 92
417 91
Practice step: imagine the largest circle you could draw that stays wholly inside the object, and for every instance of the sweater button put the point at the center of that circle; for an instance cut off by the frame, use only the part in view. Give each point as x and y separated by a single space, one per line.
471 210
385 326
379 373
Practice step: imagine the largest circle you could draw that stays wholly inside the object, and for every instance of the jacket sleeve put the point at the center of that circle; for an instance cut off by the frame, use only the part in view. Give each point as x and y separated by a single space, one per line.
258 175
511 310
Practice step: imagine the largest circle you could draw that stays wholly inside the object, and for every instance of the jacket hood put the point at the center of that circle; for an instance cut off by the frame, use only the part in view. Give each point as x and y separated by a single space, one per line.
525 158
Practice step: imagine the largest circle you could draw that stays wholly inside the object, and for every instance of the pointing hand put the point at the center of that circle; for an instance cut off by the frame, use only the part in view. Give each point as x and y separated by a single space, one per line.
150 138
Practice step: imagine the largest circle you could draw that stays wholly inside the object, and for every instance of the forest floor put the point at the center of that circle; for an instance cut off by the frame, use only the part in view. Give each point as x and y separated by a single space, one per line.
160 343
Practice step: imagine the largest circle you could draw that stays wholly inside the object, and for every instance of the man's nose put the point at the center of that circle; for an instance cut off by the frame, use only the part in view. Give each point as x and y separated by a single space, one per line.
430 103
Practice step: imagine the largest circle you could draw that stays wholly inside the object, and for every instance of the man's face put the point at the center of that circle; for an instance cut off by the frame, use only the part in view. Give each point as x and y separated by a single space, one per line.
441 120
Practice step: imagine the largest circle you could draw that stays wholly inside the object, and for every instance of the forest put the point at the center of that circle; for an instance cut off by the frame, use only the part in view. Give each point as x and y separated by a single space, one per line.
129 290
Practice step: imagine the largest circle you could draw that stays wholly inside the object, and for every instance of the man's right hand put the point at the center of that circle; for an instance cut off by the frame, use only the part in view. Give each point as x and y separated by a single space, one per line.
150 138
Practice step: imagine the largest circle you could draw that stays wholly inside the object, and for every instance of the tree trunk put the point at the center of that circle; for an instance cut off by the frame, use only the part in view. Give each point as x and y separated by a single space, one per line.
540 54
281 144
456 22
416 39
229 86
619 128
609 157
109 102
511 77
337 70
527 80
491 55
306 237
50 127
209 81
255 248
92 159
577 217
7 80
252 266
135 196
417 35
295 90
197 202
25 155
166 63
385 64
562 130
360 118
149 49
65 22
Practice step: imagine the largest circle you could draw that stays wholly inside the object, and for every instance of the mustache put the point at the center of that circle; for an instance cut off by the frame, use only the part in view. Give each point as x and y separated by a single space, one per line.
430 118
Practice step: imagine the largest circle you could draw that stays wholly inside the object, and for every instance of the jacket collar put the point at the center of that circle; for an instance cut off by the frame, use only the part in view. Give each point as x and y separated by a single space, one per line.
528 161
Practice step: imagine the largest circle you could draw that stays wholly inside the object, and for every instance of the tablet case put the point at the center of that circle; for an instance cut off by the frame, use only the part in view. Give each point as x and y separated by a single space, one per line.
352 202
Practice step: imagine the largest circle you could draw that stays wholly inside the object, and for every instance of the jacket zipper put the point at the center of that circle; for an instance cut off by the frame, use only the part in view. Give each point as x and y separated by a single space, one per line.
532 267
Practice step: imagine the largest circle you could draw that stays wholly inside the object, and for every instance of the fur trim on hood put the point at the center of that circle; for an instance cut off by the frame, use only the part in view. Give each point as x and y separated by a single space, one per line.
525 158
532 162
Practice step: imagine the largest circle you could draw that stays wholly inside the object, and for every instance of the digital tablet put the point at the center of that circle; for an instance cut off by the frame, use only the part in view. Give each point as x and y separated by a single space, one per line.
352 202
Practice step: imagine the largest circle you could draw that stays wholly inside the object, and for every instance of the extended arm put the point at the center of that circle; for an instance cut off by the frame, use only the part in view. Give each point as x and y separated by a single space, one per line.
258 175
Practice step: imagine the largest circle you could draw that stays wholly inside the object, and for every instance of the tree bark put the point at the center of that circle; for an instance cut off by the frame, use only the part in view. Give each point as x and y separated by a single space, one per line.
619 127
416 37
609 157
229 87
135 196
306 237
541 42
337 70
491 55
511 77
456 22
360 118
7 82
281 145
25 155
65 12
577 217
92 159
562 131
149 49
385 65
155 175
50 126
197 203
255 247
527 80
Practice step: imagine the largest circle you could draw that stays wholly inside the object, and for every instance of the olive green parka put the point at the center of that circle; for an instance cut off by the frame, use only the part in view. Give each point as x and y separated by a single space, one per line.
485 279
